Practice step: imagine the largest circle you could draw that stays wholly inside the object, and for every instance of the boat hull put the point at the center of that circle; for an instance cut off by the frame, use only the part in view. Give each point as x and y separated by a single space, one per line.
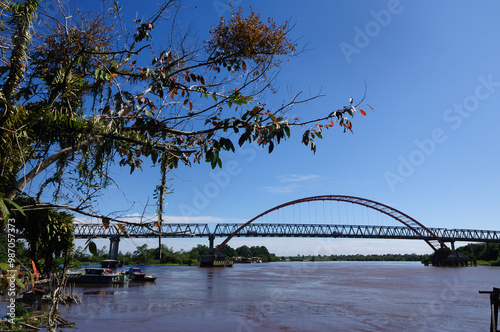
97 276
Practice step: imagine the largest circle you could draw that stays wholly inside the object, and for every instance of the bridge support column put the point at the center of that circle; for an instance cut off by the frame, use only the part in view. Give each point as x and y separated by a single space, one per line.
211 239
113 247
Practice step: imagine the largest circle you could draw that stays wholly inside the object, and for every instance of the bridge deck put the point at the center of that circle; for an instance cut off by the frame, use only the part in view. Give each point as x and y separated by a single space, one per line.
283 230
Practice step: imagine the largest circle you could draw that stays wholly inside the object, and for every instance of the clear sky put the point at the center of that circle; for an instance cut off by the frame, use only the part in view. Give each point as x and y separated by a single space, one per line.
429 149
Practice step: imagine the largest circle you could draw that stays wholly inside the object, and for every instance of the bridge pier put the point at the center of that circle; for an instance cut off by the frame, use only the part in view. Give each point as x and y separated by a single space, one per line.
113 261
113 247
442 257
211 239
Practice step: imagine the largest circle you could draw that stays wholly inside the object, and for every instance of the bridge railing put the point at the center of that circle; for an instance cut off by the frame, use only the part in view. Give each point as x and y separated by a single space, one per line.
142 230
282 230
354 231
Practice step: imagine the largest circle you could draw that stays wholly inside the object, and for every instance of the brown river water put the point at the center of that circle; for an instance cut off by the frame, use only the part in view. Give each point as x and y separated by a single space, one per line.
285 296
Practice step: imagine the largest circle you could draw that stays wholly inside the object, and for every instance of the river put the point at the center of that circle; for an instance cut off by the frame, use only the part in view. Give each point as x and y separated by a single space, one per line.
298 296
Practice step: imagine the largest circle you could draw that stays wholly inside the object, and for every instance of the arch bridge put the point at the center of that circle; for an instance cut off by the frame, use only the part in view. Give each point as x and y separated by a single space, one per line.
414 228
407 228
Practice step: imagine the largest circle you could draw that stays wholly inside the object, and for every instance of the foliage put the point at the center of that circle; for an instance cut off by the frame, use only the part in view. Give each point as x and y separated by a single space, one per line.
249 38
48 234
75 100
244 251
4 202
359 257
144 255
481 251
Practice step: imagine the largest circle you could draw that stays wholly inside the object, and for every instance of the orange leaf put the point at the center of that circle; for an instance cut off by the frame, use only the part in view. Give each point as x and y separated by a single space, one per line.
370 107
113 75
363 113
122 228
190 106
105 223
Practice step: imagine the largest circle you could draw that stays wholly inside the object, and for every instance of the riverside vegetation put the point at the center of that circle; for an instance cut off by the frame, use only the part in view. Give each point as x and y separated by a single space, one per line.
151 256
486 254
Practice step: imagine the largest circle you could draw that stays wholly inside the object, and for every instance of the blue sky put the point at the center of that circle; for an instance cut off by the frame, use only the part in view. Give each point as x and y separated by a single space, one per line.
429 149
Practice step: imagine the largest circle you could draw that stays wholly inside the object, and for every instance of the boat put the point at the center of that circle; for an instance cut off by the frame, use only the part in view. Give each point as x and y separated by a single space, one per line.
96 275
135 274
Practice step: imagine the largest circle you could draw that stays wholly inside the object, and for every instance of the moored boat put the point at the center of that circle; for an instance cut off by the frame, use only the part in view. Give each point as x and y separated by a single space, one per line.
95 275
135 274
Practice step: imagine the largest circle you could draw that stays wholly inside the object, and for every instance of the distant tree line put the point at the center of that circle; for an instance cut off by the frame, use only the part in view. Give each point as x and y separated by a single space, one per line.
147 256
386 257
253 251
488 252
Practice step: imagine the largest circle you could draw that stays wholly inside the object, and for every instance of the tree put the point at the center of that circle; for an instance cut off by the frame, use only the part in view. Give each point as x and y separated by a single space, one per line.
197 251
244 251
74 102
142 254
49 235
229 252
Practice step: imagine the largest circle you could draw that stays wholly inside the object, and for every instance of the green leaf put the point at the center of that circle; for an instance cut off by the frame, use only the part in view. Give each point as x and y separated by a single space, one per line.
287 130
20 283
305 137
313 146
93 248
5 212
349 111
20 209
244 137
271 146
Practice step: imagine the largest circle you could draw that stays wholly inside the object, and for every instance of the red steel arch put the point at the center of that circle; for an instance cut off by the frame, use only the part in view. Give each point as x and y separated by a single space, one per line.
403 218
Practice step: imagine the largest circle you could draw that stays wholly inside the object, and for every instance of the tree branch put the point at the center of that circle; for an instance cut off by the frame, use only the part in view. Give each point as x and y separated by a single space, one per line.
22 182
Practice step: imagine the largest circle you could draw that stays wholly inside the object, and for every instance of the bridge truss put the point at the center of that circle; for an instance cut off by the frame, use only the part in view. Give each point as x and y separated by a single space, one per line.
417 228
409 229
141 230
354 231
186 230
